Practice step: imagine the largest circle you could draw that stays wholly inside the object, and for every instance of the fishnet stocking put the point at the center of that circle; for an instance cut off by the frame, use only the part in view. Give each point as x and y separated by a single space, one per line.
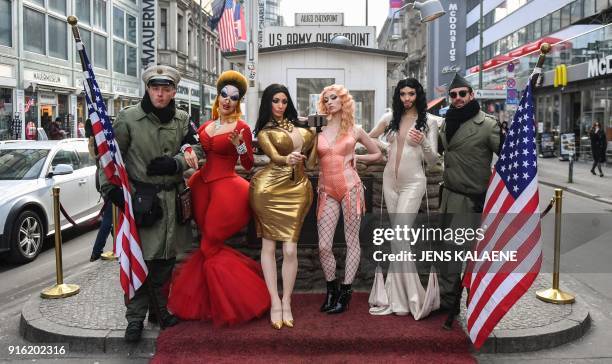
326 225
352 221
326 228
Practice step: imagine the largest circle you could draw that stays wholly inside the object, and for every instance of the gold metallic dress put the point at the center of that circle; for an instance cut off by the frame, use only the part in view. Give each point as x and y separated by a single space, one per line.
280 194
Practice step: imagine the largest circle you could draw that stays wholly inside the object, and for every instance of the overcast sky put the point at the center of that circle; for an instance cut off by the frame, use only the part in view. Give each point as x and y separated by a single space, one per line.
354 10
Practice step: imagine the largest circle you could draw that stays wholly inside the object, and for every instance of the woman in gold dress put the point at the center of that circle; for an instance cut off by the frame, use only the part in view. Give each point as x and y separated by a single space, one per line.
280 193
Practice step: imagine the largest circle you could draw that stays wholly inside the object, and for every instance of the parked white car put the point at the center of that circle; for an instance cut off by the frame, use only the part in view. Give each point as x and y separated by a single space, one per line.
28 172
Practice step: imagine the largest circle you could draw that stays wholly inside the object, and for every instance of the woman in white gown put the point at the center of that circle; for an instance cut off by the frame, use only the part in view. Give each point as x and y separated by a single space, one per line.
412 137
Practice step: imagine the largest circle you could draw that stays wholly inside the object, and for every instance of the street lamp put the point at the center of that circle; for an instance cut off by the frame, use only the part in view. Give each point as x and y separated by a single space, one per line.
428 11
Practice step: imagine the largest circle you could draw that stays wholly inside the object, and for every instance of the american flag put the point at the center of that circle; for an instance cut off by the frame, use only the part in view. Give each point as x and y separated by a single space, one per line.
227 31
133 270
239 21
512 222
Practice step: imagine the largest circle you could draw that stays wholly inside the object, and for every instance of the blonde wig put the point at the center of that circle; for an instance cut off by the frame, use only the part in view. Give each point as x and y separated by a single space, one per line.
347 118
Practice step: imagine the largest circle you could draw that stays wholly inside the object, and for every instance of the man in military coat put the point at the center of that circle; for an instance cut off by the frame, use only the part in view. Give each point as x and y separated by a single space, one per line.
151 136
469 138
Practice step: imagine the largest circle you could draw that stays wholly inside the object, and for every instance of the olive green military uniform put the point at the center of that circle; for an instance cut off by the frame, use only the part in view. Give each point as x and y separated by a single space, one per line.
141 138
467 169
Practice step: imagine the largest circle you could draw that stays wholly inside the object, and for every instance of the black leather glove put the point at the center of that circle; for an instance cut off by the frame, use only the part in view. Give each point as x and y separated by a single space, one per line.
192 136
163 166
116 197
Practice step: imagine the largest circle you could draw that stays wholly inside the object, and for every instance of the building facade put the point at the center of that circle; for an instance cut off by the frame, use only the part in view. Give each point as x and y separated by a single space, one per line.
40 70
405 33
577 87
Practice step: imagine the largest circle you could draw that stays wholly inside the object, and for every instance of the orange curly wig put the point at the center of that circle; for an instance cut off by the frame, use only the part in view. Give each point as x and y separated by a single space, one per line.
235 79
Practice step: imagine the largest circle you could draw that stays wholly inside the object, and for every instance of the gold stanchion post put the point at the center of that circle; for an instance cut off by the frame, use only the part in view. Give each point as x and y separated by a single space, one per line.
110 255
60 290
554 294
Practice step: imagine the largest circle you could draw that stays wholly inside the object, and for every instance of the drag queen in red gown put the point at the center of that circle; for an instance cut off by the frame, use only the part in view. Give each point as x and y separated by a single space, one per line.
217 282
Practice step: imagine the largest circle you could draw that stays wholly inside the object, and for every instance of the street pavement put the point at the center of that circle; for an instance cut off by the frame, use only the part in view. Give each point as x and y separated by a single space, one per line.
555 173
93 320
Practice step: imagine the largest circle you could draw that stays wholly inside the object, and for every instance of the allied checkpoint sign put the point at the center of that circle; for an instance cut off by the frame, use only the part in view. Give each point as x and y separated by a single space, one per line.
280 36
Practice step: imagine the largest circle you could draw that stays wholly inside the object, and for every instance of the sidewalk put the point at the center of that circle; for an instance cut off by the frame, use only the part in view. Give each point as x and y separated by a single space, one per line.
93 321
554 173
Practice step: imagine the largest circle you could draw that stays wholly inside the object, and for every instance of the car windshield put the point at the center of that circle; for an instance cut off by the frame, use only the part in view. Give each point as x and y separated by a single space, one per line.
18 164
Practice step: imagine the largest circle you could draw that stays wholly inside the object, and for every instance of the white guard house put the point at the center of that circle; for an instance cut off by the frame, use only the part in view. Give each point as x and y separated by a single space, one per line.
307 68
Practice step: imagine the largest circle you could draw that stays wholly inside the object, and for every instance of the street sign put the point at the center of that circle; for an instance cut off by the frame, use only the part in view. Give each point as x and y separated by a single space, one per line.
490 94
512 96
510 67
568 144
511 83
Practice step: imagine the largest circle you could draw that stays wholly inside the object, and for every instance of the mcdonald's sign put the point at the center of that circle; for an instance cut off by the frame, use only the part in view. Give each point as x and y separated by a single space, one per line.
560 76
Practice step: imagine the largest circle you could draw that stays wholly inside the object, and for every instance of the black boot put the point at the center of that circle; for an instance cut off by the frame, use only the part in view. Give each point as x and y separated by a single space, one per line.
344 298
133 332
331 297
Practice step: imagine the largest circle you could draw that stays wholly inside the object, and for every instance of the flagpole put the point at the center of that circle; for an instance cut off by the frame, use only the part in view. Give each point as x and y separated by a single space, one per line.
252 53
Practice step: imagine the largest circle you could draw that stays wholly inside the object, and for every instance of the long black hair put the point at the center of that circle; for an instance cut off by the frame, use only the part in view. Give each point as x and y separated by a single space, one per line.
265 108
398 107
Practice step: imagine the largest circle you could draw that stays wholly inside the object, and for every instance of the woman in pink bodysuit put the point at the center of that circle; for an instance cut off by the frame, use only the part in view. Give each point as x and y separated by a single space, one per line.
340 187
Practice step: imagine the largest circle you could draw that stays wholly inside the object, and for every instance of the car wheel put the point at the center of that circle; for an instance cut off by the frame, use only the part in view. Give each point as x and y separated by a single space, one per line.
27 237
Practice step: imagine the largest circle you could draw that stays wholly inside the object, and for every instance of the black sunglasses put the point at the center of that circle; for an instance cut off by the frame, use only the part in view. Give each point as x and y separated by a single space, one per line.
461 93
233 97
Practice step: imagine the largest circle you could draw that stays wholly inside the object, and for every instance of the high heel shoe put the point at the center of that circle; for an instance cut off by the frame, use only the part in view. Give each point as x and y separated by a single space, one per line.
277 325
331 297
288 322
344 298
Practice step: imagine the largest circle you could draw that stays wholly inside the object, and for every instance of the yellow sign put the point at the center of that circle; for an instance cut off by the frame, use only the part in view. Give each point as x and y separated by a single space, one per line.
560 76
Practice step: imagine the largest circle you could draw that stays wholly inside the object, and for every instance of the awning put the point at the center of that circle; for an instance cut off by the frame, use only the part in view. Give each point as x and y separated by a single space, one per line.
434 102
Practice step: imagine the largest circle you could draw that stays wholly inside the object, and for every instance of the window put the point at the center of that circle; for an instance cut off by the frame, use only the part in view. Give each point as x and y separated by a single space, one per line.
162 41
99 14
6 31
179 27
66 156
308 90
58 6
576 10
565 16
58 39
124 39
472 31
118 57
364 108
537 29
555 21
93 30
131 28
589 8
34 38
38 2
529 32
100 45
83 11
118 23
601 5
132 61
546 24
86 38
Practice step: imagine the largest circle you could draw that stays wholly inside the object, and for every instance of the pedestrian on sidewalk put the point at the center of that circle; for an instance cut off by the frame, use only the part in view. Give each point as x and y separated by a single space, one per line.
599 144
107 210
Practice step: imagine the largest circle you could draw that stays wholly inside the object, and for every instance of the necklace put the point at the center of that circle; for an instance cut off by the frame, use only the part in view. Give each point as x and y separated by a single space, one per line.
284 124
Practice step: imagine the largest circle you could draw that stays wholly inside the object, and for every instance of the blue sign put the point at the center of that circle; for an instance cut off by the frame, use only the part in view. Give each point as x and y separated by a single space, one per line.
512 96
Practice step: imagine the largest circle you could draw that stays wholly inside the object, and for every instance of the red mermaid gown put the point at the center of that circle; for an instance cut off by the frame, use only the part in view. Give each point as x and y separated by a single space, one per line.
217 282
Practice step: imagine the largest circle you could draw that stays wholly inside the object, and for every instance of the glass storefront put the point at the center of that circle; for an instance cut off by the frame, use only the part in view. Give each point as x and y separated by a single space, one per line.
308 91
6 113
31 115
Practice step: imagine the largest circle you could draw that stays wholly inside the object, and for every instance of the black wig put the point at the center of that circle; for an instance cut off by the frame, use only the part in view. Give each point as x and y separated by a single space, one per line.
265 108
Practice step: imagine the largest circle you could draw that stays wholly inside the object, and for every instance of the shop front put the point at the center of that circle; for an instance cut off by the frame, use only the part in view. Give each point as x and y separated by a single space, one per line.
47 104
7 100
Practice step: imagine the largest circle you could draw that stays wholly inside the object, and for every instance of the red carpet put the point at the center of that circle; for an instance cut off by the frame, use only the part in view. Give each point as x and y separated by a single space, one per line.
354 336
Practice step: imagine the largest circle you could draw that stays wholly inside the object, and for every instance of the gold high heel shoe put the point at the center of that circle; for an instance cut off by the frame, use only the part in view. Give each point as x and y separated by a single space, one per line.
278 324
288 323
